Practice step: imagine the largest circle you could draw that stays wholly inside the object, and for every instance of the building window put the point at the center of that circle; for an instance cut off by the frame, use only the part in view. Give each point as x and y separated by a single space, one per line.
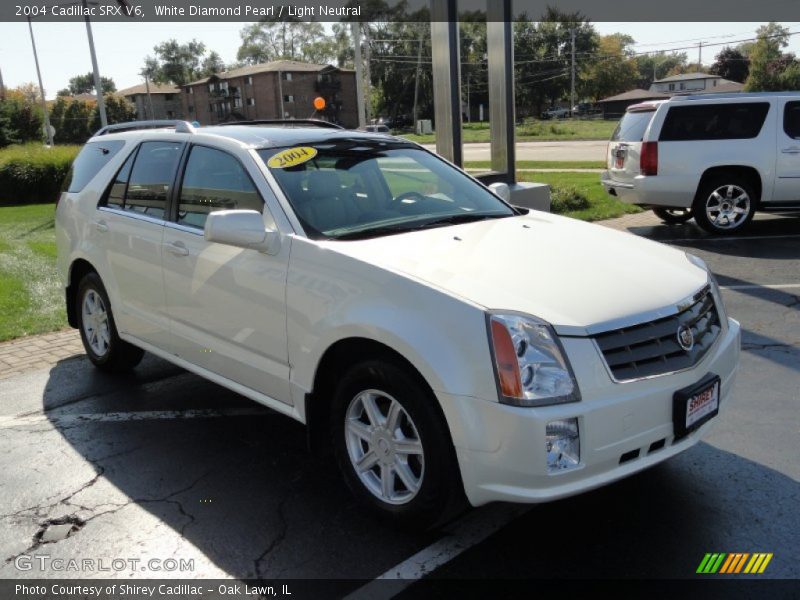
249 80
211 87
671 87
191 108
210 108
251 102
190 90
286 76
288 98
168 97
170 114
237 103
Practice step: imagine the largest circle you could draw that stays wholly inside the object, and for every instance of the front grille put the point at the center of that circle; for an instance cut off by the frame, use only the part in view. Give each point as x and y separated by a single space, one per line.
652 348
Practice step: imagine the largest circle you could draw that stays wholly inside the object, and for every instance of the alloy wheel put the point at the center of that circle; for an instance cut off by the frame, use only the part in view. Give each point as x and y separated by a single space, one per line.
727 206
95 323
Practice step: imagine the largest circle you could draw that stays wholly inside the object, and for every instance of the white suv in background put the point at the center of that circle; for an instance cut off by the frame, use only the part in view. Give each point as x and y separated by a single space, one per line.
718 158
440 342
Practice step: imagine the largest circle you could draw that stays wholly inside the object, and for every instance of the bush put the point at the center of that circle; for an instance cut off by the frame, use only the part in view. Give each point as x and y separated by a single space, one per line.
32 173
567 198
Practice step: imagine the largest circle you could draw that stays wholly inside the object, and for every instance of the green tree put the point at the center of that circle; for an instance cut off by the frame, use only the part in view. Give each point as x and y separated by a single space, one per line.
289 40
731 64
765 57
84 84
176 63
75 124
118 110
614 69
212 64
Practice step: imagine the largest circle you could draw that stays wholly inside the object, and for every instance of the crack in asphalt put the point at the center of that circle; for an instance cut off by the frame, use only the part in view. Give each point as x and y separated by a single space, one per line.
79 522
276 541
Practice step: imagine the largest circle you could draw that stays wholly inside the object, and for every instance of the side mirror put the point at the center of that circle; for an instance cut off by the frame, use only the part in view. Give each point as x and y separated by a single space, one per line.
502 190
241 228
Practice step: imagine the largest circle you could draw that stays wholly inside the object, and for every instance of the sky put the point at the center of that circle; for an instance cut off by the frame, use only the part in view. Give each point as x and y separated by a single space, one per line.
122 47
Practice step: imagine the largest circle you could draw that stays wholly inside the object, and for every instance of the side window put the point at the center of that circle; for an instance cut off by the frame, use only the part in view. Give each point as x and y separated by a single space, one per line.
214 180
733 121
115 196
90 160
791 120
151 178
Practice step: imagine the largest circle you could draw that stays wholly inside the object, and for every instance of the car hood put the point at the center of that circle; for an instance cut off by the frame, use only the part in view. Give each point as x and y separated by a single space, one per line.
577 276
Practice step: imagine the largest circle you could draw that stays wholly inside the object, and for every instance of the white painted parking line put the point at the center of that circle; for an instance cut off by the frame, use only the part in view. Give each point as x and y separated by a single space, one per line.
769 286
731 239
9 421
465 533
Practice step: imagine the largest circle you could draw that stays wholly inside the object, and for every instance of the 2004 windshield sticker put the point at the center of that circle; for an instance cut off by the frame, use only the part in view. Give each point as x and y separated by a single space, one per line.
291 157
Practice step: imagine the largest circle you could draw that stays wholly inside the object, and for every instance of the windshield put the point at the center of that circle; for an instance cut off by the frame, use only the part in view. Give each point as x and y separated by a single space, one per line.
356 189
632 126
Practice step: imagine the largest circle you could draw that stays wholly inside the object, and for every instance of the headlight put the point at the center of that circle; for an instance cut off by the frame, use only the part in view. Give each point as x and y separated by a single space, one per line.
712 281
530 364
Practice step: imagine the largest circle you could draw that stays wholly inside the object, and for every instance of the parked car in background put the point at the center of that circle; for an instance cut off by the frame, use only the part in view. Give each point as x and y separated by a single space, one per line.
717 158
555 113
371 290
376 128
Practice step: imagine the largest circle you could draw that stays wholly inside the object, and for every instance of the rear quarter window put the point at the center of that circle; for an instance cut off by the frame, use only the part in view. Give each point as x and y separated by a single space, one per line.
632 126
89 162
742 120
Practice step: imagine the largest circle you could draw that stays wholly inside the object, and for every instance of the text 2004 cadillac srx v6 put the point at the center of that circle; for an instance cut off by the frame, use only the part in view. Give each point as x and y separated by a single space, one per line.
440 342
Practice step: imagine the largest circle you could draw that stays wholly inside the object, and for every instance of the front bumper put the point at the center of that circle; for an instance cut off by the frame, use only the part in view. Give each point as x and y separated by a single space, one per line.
501 448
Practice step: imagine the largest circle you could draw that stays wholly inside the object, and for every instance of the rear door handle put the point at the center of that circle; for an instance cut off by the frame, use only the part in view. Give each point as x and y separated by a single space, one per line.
177 248
101 226
791 150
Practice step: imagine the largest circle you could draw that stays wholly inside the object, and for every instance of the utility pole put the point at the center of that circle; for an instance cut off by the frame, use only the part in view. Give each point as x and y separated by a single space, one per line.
572 86
2 87
98 86
368 88
416 78
48 129
149 97
355 28
699 56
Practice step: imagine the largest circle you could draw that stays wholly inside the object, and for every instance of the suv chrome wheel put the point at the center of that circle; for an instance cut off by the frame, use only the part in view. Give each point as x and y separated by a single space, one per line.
728 206
95 323
384 447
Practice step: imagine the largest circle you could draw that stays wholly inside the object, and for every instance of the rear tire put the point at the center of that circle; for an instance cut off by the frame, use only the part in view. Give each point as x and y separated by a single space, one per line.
107 351
725 204
393 446
673 216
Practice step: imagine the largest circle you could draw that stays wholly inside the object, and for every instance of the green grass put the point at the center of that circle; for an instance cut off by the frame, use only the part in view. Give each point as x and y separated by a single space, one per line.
534 130
31 299
602 206
541 164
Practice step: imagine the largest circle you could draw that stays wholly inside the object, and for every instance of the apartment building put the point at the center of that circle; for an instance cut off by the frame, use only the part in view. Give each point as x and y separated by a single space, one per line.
273 90
159 102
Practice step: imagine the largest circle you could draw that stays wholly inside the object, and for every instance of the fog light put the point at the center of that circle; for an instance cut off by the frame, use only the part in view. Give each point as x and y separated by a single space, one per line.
563 445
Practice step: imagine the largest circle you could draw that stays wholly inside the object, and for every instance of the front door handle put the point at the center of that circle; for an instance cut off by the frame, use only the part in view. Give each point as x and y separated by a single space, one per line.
791 150
101 226
177 248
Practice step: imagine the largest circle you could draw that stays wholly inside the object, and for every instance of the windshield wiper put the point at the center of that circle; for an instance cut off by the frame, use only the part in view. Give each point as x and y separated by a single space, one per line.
457 219
362 234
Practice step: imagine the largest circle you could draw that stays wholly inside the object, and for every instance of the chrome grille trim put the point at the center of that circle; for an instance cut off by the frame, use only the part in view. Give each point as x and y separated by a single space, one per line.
651 349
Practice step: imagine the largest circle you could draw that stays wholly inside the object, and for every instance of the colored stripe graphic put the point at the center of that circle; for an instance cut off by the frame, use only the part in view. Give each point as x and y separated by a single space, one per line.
723 563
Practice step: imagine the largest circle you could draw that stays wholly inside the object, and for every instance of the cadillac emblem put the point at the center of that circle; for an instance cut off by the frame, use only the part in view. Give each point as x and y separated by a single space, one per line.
685 338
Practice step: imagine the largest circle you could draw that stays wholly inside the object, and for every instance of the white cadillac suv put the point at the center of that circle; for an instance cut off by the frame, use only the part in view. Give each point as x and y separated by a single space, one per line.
440 342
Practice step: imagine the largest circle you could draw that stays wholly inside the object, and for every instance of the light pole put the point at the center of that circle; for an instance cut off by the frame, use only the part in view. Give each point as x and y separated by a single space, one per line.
48 129
98 85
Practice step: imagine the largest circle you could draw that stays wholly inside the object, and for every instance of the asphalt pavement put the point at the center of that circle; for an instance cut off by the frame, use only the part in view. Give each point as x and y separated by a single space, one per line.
162 464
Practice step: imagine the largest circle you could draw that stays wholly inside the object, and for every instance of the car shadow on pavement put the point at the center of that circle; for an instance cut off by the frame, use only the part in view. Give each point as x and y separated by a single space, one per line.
244 491
762 225
655 525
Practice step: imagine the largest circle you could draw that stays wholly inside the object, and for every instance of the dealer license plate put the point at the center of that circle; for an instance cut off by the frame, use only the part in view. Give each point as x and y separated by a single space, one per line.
695 405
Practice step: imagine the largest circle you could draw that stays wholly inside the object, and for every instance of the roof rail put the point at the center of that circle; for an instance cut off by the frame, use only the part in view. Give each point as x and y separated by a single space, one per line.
286 122
712 95
180 126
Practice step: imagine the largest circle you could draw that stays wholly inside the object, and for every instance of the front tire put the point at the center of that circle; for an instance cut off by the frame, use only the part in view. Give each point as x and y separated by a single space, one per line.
725 204
392 445
673 216
107 351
